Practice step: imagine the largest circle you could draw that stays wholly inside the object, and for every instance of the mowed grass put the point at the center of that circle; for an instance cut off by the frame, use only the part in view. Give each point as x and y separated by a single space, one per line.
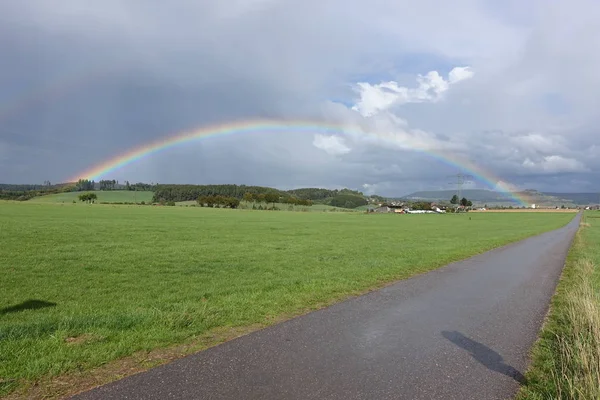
108 196
82 286
566 358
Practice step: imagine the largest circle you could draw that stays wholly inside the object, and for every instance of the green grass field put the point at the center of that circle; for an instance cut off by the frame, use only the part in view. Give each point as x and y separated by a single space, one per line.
566 358
108 196
83 286
284 207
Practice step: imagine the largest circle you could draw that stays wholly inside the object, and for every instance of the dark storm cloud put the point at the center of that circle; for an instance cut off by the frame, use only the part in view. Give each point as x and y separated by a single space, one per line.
84 81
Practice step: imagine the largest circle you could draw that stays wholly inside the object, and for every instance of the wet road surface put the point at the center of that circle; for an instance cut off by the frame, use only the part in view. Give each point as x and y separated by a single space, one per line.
460 332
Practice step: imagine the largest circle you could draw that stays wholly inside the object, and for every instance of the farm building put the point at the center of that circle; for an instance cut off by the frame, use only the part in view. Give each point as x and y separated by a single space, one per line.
390 208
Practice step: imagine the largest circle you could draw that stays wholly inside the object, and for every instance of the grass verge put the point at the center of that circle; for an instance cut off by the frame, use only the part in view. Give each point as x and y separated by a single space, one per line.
566 358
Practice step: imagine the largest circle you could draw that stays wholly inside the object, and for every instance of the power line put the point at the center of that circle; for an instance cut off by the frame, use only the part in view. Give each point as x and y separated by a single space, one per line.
459 182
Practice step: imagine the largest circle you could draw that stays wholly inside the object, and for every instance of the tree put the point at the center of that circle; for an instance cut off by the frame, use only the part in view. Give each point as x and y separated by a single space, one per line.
88 197
454 200
464 202
272 198
249 197
84 184
210 201
232 202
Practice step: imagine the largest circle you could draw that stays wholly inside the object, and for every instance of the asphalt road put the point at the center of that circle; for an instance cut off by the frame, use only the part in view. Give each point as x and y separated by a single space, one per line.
460 332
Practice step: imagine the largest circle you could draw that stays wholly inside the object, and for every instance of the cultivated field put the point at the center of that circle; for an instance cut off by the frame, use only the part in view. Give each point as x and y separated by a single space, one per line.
108 196
530 210
84 286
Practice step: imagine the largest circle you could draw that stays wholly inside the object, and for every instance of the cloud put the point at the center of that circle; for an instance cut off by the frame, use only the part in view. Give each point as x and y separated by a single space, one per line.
510 87
382 96
460 74
333 145
555 164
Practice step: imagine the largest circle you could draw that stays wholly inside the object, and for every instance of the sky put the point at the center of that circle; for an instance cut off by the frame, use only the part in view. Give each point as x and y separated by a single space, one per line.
510 87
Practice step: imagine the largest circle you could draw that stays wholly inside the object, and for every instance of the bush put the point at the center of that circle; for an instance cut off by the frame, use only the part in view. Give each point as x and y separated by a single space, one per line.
170 203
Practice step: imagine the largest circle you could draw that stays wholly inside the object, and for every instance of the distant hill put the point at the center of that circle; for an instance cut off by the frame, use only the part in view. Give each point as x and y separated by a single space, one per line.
479 195
490 197
111 191
344 198
577 198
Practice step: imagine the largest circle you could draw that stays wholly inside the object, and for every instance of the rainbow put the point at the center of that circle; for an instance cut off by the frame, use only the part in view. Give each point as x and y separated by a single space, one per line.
275 126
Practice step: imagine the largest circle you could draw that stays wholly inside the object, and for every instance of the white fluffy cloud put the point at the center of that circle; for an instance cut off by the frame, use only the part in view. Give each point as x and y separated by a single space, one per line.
333 145
555 164
382 96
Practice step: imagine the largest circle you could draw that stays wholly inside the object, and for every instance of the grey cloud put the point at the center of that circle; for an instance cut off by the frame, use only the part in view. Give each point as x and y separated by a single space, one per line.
82 82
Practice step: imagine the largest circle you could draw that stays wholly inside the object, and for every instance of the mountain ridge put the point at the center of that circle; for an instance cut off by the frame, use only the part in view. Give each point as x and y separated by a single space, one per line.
495 197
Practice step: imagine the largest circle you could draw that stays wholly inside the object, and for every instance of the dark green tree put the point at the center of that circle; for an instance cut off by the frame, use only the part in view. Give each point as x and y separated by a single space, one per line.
89 197
454 199
271 198
232 202
249 197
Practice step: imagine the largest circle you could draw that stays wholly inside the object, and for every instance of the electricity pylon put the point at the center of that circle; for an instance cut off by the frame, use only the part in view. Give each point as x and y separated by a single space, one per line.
460 180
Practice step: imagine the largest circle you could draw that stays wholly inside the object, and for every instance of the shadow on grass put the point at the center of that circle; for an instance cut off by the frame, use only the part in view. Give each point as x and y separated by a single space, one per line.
484 355
27 305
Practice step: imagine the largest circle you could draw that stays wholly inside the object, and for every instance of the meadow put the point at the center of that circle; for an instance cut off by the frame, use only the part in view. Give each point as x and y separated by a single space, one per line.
129 196
566 358
100 287
284 207
107 196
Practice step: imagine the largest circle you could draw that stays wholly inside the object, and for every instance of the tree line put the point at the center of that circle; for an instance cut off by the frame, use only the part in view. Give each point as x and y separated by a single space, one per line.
140 186
218 201
193 192
26 192
348 201
267 198
463 202
273 198
322 194
340 198
165 193
111 184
